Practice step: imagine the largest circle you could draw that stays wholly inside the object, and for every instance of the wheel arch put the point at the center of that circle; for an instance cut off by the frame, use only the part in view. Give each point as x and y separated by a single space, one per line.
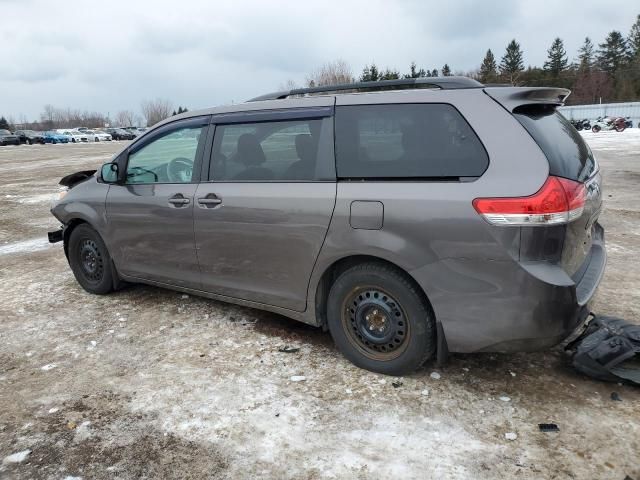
70 227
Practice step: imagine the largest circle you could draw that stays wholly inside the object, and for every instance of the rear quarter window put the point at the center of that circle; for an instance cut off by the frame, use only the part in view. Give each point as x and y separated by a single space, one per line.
568 154
430 141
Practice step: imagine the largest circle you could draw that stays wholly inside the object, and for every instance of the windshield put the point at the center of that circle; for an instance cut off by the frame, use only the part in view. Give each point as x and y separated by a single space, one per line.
5 132
568 154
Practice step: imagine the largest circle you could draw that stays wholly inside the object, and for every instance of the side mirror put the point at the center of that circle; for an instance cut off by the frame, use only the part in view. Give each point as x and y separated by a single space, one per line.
109 173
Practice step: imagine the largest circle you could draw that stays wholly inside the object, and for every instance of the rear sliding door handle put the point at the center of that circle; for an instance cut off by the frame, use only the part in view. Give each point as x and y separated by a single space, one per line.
209 201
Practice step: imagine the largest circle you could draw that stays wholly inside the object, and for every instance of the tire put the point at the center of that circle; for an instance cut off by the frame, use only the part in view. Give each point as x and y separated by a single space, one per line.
380 320
29 142
90 260
595 128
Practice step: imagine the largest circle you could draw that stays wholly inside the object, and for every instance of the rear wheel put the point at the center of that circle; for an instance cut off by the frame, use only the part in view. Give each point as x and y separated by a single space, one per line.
90 260
380 320
595 128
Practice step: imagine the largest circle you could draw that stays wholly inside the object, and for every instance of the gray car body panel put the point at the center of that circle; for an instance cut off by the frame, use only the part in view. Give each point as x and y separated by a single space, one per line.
484 296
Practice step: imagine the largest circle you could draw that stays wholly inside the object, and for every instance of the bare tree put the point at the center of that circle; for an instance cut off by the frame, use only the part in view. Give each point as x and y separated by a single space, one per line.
331 73
126 118
289 85
156 110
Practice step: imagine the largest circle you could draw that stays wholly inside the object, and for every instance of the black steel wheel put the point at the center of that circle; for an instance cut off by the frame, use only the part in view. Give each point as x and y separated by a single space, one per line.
90 260
375 322
380 319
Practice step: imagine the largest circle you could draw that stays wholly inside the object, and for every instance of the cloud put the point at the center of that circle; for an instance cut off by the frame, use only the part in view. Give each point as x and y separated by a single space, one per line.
110 56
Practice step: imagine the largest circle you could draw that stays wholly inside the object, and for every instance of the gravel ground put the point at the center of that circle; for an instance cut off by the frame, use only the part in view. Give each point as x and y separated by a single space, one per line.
149 383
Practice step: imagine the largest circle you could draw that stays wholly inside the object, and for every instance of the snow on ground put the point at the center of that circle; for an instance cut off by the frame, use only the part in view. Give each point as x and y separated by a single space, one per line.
148 383
610 140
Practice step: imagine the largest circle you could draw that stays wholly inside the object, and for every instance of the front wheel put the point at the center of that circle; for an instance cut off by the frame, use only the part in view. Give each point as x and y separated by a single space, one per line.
90 260
595 129
380 320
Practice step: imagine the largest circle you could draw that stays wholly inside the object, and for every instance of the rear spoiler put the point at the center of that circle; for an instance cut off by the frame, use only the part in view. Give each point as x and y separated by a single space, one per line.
514 97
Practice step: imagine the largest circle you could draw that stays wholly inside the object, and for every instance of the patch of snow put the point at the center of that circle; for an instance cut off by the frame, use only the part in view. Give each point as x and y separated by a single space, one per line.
511 436
26 246
424 392
505 398
82 432
435 375
17 457
298 378
48 366
43 198
53 410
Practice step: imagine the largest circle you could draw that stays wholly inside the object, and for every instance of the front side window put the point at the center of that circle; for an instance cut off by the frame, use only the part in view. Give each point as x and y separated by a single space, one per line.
430 141
168 159
296 150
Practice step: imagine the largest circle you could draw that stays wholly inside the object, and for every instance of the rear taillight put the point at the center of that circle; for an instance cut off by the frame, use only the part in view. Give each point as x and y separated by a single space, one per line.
558 201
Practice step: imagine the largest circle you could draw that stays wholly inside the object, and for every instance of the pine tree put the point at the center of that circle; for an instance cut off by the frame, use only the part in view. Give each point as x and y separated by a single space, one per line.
4 124
489 68
434 72
370 73
446 71
586 55
613 53
634 39
556 58
390 75
512 62
414 72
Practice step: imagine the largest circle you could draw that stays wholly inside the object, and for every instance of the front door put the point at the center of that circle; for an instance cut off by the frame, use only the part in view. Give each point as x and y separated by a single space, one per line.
261 220
150 216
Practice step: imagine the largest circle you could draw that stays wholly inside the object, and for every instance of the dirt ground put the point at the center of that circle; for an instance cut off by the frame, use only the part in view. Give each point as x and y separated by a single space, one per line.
149 383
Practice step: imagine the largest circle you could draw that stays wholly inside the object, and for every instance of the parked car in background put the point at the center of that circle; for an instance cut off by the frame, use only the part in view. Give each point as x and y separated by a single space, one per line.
76 137
29 136
97 136
51 136
8 138
120 134
401 221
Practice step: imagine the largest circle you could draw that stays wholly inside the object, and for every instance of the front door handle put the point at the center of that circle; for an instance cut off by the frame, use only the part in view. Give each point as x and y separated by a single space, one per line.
210 201
178 200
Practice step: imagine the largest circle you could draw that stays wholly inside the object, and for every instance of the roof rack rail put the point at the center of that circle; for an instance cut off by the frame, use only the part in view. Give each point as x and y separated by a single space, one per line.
444 83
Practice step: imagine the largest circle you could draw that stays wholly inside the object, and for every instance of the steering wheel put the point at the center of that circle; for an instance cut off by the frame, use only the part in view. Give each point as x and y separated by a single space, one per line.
180 170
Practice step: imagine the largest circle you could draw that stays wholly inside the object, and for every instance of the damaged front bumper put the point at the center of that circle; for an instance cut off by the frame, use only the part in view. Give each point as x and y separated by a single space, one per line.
56 236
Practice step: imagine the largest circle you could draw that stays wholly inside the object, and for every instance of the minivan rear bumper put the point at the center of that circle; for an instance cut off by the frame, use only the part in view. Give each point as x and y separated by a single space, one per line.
508 306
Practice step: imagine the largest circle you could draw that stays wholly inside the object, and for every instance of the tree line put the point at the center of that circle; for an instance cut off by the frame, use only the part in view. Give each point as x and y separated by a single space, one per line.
608 72
51 117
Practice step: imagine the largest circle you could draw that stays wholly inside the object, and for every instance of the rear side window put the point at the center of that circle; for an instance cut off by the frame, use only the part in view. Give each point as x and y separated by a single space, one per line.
431 141
294 150
568 154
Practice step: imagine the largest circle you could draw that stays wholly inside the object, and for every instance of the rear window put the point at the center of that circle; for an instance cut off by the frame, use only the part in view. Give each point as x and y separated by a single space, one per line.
431 141
568 154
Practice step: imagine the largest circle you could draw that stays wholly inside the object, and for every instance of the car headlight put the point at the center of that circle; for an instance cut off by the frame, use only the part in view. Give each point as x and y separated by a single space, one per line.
59 195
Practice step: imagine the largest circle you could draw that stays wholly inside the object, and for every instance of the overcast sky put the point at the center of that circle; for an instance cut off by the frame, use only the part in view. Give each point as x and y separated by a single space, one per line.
109 55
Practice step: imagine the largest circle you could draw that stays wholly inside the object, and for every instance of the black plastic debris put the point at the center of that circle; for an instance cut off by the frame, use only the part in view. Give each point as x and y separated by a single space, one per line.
396 384
615 397
288 349
548 427
609 350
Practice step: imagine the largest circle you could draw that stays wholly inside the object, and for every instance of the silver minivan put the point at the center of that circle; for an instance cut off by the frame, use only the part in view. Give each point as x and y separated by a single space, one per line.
410 218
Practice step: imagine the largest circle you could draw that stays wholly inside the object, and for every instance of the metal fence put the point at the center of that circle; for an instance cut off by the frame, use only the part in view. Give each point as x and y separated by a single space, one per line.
591 112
